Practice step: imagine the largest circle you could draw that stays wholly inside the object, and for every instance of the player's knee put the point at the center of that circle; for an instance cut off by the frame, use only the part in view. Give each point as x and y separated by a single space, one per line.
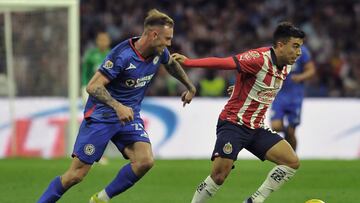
76 180
294 163
144 165
219 177
72 178
277 126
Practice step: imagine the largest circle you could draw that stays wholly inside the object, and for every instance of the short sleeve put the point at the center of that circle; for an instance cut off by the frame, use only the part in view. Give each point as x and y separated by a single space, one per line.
249 62
111 67
305 55
165 56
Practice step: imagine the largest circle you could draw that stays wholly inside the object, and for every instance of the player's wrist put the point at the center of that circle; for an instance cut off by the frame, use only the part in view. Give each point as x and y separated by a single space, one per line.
192 90
115 105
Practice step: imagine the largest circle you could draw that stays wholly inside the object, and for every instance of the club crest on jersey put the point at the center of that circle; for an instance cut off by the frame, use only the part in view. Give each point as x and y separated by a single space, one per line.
108 64
89 149
156 59
227 149
130 82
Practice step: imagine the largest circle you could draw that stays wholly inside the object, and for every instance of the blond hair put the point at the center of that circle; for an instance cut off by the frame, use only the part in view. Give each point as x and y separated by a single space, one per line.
157 18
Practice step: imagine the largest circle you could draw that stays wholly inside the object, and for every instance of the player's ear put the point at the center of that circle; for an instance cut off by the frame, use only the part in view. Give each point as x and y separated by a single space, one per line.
155 34
279 44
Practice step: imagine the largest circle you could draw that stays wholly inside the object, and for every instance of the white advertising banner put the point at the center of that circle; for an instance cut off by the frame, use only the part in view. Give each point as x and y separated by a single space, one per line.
330 128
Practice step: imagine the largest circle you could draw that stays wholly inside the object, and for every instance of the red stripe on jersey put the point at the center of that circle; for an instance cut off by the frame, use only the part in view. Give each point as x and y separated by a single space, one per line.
269 74
89 112
254 89
260 117
246 118
232 107
243 86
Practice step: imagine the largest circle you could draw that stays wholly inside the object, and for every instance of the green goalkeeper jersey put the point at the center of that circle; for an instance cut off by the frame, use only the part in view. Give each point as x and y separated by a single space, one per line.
93 58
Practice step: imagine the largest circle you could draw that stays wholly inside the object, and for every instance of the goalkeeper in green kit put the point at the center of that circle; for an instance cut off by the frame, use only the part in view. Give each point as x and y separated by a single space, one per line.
93 58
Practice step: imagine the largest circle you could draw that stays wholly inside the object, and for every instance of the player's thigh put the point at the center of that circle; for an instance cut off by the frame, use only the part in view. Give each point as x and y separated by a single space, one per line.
282 154
92 140
131 133
262 142
139 152
231 139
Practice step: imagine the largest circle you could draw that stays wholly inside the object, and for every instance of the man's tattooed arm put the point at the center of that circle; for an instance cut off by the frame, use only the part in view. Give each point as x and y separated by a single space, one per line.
96 88
175 69
100 93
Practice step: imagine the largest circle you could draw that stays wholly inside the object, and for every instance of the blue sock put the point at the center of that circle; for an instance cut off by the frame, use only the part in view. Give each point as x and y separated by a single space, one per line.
53 192
123 180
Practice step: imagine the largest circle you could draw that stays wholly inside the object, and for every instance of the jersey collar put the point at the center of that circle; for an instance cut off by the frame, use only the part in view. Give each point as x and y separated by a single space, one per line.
131 42
274 59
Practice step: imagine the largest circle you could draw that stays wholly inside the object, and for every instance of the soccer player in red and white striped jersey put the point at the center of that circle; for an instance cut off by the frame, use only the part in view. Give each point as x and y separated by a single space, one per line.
259 76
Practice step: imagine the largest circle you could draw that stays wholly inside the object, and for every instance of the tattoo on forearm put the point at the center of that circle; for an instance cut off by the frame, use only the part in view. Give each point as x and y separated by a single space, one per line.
102 94
175 69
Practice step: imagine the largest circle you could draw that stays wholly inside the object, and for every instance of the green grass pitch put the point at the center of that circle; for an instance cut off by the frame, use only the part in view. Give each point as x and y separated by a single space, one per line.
174 181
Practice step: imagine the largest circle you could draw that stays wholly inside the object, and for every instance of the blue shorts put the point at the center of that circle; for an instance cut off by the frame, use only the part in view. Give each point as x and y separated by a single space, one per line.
281 109
93 138
232 138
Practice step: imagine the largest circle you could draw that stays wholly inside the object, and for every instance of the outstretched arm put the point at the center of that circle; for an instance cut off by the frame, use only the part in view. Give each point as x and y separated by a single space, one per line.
175 69
227 63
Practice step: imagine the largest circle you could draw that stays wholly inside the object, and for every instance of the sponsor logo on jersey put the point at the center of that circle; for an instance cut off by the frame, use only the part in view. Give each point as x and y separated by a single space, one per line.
141 82
156 59
227 149
108 64
89 149
131 66
249 55
266 96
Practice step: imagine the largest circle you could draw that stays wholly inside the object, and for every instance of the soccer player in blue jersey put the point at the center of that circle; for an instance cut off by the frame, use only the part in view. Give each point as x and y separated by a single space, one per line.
112 112
288 102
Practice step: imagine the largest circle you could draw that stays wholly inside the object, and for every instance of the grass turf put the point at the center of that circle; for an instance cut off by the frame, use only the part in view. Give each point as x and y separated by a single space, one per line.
174 181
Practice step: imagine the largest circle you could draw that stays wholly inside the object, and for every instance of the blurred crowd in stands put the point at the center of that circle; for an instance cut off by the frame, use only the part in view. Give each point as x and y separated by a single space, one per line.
224 28
40 52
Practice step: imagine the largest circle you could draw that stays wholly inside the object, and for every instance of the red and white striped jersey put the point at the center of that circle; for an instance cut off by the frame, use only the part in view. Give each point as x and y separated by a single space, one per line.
257 82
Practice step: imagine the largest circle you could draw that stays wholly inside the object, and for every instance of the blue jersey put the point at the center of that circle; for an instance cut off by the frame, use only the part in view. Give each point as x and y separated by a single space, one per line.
291 89
288 101
129 75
